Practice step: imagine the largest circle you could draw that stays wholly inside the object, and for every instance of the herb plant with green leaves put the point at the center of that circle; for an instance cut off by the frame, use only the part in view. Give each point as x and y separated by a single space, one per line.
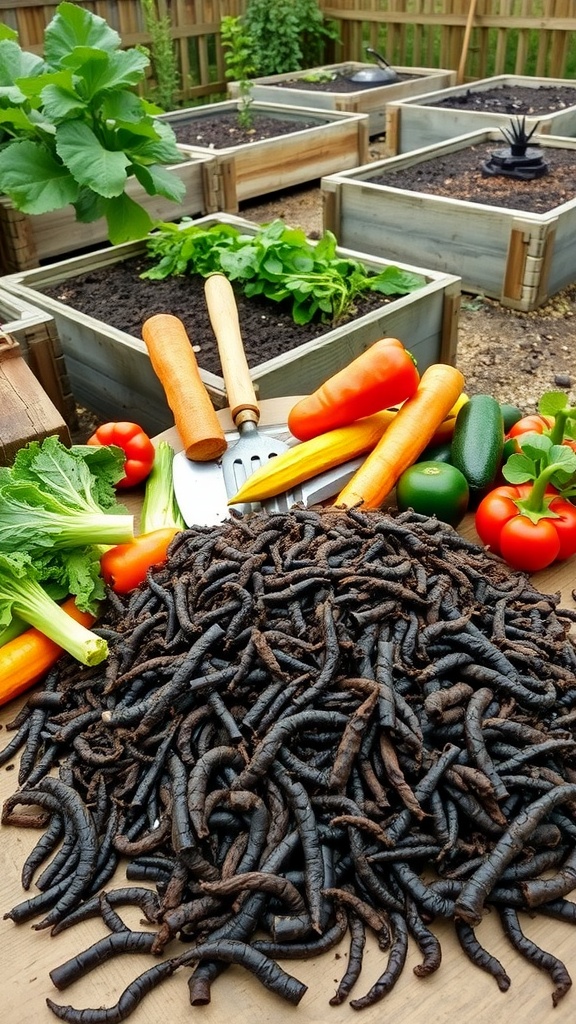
163 55
239 65
287 35
278 263
73 129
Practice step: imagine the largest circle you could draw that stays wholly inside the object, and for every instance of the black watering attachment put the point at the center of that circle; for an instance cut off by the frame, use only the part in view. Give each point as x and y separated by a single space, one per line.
519 160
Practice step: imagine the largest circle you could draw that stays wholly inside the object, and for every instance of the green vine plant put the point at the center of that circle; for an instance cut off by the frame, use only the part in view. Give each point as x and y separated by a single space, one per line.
237 46
162 55
287 35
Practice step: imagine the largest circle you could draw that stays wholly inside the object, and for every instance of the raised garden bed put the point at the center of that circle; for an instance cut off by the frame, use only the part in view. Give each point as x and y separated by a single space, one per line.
286 146
28 240
547 104
416 206
109 366
310 88
35 331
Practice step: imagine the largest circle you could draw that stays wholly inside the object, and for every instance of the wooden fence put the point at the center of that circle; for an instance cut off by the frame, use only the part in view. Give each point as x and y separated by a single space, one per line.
517 36
494 36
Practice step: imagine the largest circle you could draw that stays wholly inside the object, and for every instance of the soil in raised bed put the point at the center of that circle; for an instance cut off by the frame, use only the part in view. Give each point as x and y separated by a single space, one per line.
117 295
340 82
458 175
224 130
518 100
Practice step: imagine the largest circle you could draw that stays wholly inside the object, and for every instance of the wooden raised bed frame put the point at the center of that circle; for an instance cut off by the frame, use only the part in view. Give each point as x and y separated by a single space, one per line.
371 100
110 370
36 334
518 258
251 169
414 122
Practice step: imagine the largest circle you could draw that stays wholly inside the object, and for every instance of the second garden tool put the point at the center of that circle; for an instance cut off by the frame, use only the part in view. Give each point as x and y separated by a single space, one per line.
253 447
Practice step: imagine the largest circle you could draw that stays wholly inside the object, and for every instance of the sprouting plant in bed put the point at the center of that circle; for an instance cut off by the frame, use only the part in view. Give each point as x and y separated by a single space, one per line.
277 263
237 44
74 131
318 77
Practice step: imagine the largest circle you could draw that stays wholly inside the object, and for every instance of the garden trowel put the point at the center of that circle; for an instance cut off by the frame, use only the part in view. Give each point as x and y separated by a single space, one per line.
203 500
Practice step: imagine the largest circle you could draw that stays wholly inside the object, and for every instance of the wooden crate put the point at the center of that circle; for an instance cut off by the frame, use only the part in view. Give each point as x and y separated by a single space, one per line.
35 331
111 372
414 122
371 100
337 142
27 240
518 258
26 412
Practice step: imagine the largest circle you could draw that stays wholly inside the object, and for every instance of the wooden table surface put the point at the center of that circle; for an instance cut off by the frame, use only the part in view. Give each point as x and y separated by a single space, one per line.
456 992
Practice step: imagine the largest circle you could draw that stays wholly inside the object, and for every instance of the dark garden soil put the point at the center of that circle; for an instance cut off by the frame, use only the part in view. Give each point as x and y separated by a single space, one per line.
118 296
225 130
517 100
459 175
339 82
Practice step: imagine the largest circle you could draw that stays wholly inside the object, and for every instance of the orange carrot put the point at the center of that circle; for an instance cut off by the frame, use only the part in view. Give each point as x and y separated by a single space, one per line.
405 439
26 658
175 365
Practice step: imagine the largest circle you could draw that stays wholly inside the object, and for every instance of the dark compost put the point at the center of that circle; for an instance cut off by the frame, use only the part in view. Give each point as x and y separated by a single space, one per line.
310 725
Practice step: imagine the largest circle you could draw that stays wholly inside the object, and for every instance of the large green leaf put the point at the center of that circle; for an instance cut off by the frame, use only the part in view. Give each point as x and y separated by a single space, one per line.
16 119
123 105
17 63
163 149
158 181
75 26
127 220
7 33
34 180
89 207
33 86
91 164
60 103
111 71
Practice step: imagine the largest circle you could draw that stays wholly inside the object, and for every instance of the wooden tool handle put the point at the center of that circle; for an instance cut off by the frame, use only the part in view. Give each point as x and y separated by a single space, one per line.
223 312
176 367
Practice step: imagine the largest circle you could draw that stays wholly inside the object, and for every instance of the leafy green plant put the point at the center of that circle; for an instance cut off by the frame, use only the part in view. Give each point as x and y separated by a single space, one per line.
163 54
239 65
317 77
287 35
73 129
277 263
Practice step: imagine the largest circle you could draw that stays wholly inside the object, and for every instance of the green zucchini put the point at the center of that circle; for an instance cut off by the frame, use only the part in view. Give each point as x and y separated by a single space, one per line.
510 414
437 452
478 442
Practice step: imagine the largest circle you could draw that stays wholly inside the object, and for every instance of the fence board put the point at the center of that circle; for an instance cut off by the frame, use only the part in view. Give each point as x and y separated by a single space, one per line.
515 36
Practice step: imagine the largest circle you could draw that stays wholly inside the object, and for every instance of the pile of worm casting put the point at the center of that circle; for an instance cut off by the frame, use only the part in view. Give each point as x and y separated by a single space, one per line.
313 728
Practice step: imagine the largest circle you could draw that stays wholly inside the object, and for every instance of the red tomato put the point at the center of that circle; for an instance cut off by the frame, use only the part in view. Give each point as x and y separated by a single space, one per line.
534 424
525 544
529 546
565 526
496 508
136 445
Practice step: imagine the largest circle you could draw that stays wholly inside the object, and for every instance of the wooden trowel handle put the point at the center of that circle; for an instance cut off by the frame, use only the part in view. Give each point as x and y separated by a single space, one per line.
176 367
223 312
